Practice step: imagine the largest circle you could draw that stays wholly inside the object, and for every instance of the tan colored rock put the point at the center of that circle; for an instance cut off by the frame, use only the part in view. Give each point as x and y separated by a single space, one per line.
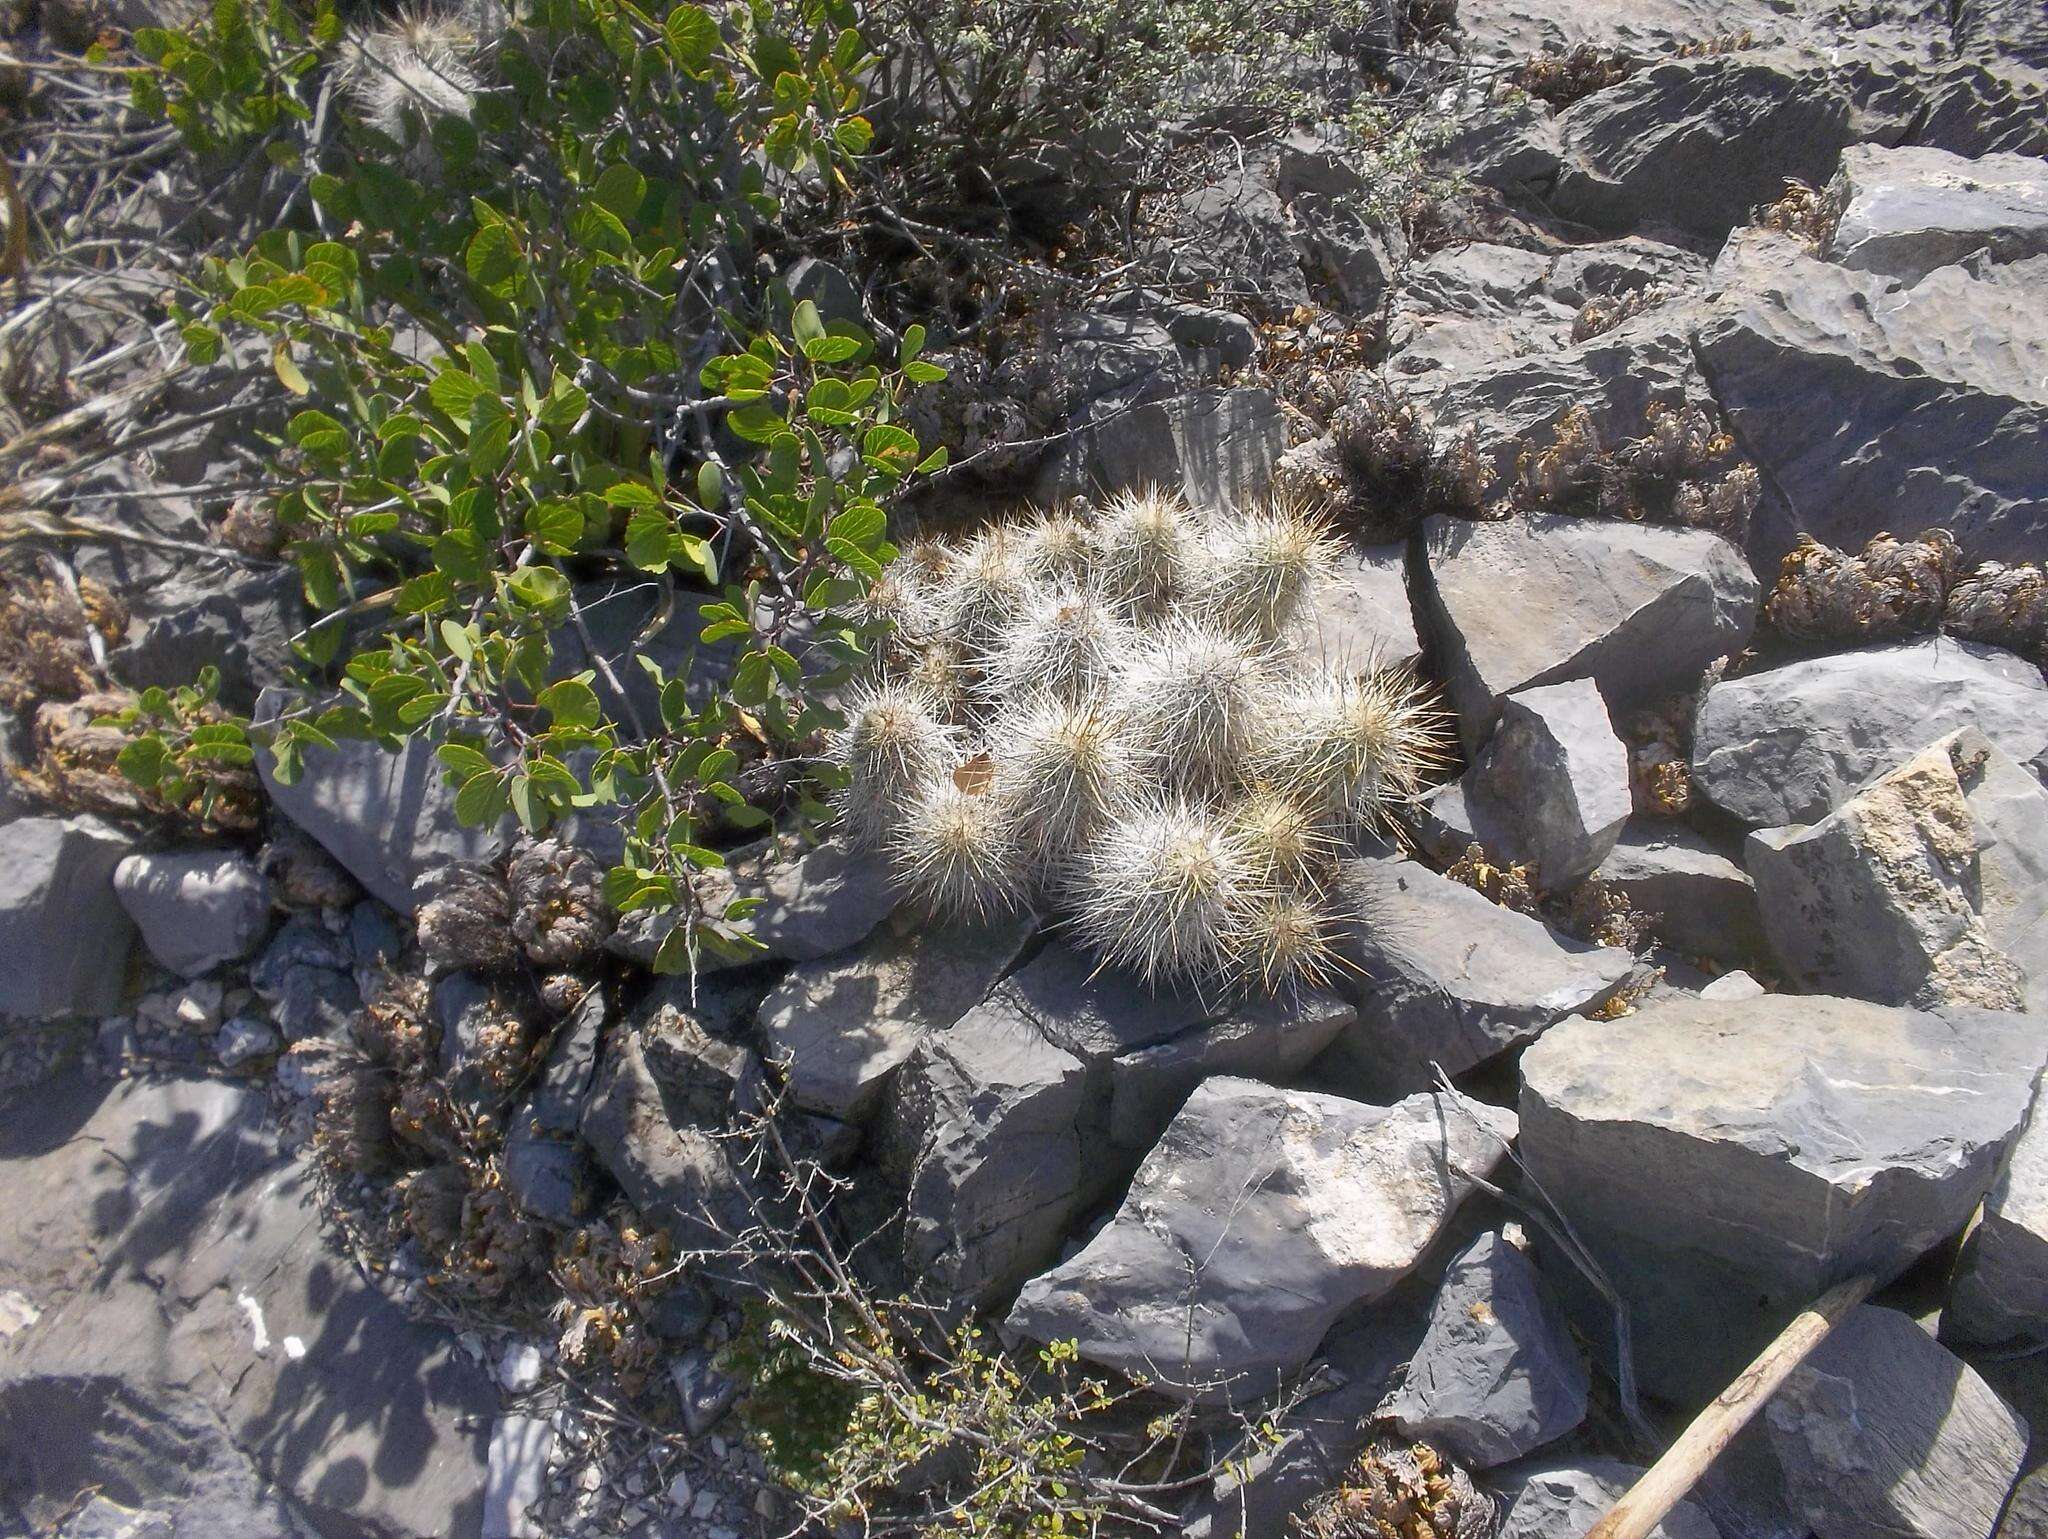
1882 899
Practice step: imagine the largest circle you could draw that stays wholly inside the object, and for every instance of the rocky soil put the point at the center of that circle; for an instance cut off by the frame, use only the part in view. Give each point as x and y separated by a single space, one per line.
1715 975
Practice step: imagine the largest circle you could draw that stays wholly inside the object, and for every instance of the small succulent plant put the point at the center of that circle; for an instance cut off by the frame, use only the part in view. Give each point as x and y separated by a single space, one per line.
1113 715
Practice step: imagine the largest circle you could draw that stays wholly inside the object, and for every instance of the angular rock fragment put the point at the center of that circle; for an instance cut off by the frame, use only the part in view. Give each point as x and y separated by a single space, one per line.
1880 899
1541 600
1548 1500
1910 209
1999 1294
195 908
1361 613
1259 1218
64 935
991 1114
1728 1161
1553 782
840 1026
386 817
1701 903
1881 1430
1871 408
1791 744
1446 978
1498 1373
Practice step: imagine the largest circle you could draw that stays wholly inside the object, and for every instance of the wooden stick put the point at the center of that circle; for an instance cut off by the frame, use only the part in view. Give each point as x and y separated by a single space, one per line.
1666 1481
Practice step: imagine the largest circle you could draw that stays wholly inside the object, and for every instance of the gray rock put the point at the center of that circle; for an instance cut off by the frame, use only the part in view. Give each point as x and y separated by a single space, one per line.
1498 1374
195 908
1264 1039
189 1301
1610 269
518 1473
1909 210
1870 407
1549 1500
1314 1442
546 1168
64 937
990 1115
1217 446
245 1039
704 1393
1553 780
2009 815
1735 985
1362 615
1696 143
1999 1294
1260 1217
301 941
1728 1161
811 904
1791 744
375 941
1231 232
240 623
1703 903
663 1147
1881 1430
825 286
386 817
839 1027
1447 978
1880 899
316 1002
1637 609
2002 29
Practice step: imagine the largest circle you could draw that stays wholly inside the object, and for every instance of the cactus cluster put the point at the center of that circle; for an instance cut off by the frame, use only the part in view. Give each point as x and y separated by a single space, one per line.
1117 716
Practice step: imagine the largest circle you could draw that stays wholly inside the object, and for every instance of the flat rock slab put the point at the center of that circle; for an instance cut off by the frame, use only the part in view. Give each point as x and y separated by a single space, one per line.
1702 903
184 1284
1882 1430
1791 744
840 1026
1498 1374
386 817
63 936
1727 1161
1447 978
1639 610
1260 1217
811 903
1911 209
1999 1295
1870 407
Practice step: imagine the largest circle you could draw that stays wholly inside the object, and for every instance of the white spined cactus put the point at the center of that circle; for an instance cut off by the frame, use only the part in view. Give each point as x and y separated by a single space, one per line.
1055 549
1148 545
1164 891
940 670
1193 698
1353 744
1288 842
985 588
955 849
1263 566
1062 770
1287 939
1065 642
894 745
